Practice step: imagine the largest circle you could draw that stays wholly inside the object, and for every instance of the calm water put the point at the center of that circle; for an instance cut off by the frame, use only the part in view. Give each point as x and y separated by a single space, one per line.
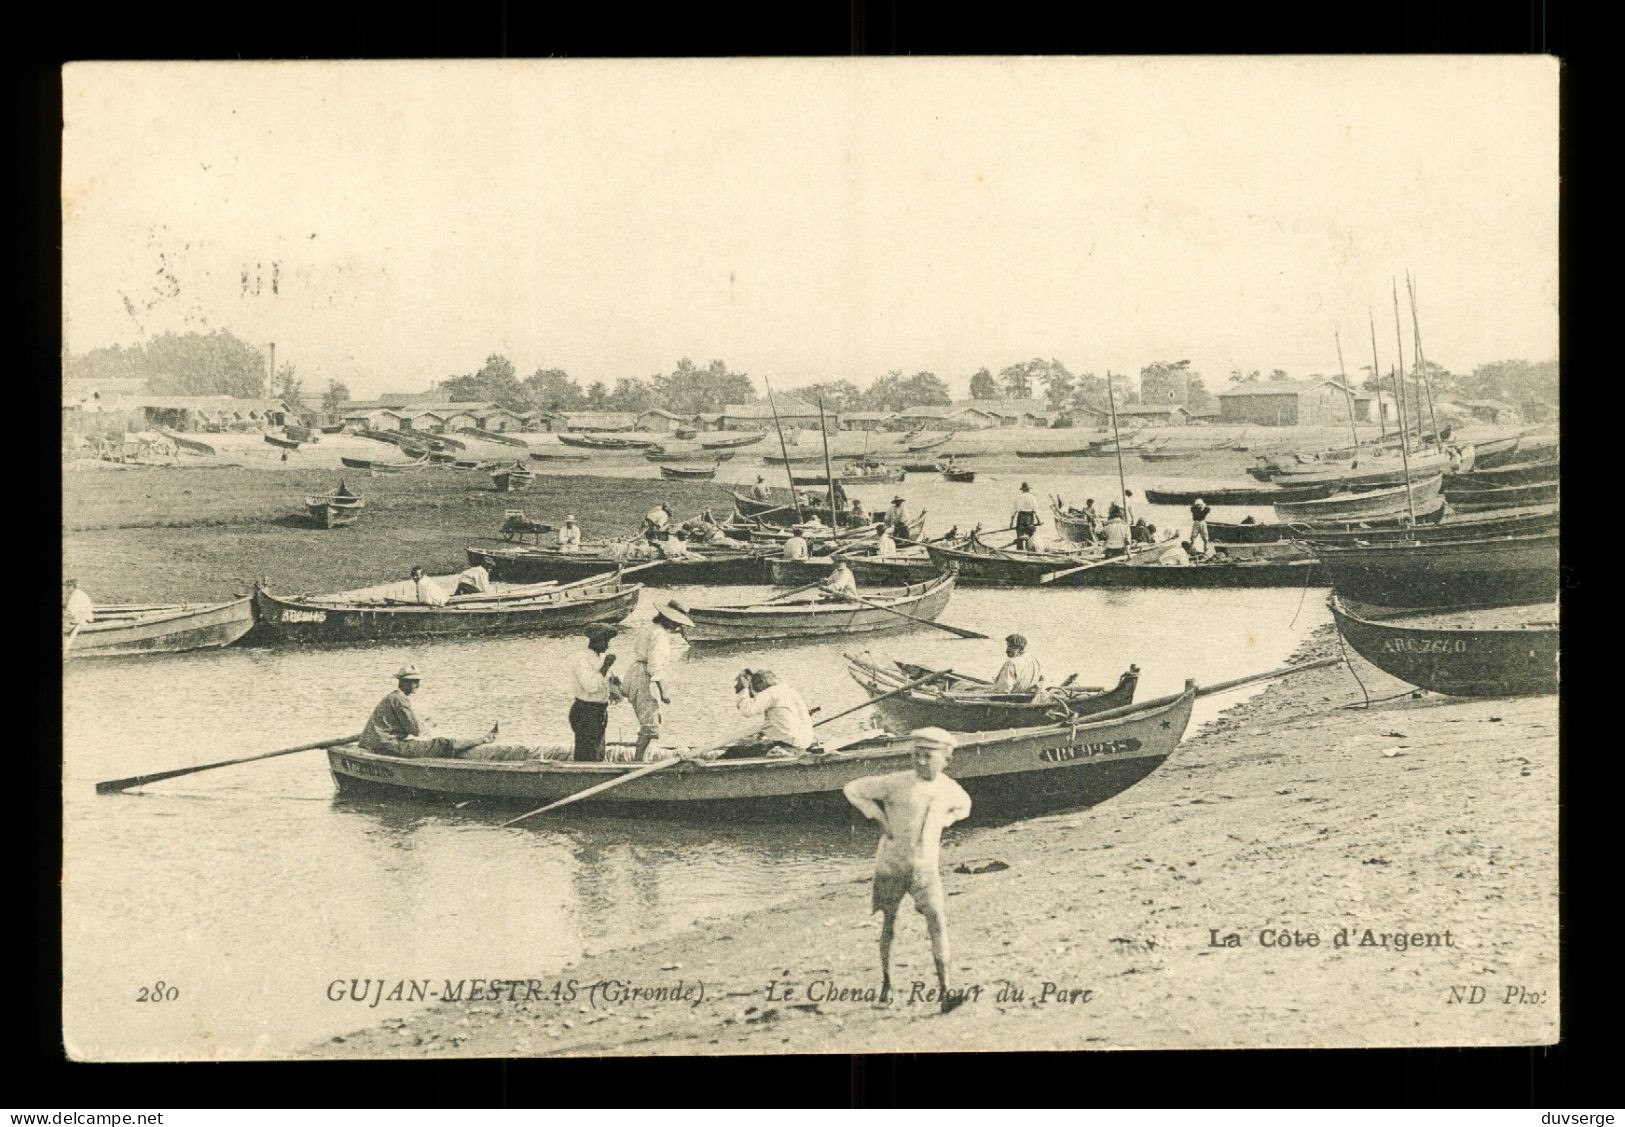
251 888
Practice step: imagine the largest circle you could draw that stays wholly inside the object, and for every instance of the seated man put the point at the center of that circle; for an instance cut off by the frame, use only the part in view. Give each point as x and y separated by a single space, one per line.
426 591
787 727
1144 533
77 609
473 580
570 535
842 585
795 548
393 729
1020 672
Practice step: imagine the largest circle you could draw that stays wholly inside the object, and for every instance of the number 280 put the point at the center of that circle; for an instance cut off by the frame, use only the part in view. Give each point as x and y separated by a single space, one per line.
158 992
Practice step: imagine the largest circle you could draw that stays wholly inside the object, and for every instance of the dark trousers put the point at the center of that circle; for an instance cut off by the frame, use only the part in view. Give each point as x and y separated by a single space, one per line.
588 720
1113 553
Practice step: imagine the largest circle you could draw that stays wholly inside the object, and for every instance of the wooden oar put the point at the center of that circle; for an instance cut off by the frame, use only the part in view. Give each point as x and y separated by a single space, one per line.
72 634
797 591
1209 690
959 630
113 785
664 763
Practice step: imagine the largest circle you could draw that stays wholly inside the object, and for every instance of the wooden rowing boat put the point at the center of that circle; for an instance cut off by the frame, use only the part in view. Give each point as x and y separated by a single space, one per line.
380 613
1505 497
512 479
793 459
1272 532
283 443
1169 455
783 513
1510 652
882 476
796 573
730 443
592 442
557 456
385 467
688 473
1072 452
333 428
120 631
1237 495
1362 473
711 457
981 565
708 566
336 509
1009 774
1521 473
1143 569
964 704
954 473
931 443
1353 506
1495 452
685 434
1513 522
1484 571
815 618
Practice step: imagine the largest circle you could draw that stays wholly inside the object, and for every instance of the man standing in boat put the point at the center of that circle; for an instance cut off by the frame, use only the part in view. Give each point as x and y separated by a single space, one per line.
897 515
1199 513
1025 518
759 492
645 684
1116 534
1020 672
595 687
570 535
912 809
393 728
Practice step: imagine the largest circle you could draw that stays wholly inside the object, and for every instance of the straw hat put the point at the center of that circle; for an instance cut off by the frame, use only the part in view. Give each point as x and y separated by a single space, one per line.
674 611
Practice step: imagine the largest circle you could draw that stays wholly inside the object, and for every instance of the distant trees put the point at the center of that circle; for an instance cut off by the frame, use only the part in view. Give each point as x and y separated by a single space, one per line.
334 397
983 385
552 389
838 395
895 392
287 386
215 363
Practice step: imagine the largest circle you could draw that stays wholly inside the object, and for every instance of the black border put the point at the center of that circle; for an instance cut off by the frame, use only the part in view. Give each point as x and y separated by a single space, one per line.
481 28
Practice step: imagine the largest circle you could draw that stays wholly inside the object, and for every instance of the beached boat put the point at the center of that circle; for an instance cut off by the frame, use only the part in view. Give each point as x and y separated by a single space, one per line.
1370 473
1070 452
1505 497
784 514
1169 455
793 459
1271 532
132 630
283 443
333 428
512 479
796 573
1455 526
384 467
1508 651
879 476
1519 473
919 467
1495 452
815 618
730 443
931 443
908 566
1481 571
954 473
709 566
595 442
969 704
557 456
710 457
334 509
685 434
1144 569
1008 774
982 565
1216 495
688 473
388 611
1353 506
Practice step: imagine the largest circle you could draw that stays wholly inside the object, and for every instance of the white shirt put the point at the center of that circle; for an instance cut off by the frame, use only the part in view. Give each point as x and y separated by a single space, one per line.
795 548
653 649
1018 674
913 813
897 514
476 577
590 684
657 518
428 592
80 610
1026 503
570 538
1175 557
784 715
759 491
1116 534
841 581
885 547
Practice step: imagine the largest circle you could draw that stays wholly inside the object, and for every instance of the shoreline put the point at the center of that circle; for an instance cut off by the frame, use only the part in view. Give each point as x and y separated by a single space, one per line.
1276 825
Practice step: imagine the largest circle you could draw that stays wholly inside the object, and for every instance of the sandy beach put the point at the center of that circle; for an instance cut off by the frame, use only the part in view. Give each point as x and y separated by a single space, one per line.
1302 873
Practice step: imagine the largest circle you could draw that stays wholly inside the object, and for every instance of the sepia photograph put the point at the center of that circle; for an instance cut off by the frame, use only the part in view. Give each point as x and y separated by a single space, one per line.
605 558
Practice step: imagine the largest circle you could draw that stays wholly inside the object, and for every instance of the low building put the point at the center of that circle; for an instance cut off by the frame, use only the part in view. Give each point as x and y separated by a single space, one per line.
1009 412
497 419
866 420
1295 403
373 418
925 418
1173 415
599 422
706 420
208 412
658 420
759 416
977 418
429 422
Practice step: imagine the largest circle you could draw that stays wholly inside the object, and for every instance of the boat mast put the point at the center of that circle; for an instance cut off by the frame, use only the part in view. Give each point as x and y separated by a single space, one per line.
1343 375
795 502
1399 347
1376 376
829 474
1117 441
1421 360
1404 452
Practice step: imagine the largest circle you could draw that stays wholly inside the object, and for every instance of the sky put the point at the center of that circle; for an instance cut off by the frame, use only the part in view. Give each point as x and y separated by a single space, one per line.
389 224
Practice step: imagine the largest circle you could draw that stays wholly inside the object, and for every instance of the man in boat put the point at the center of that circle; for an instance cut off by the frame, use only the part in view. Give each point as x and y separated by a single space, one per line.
886 544
393 729
759 492
1025 518
474 580
787 727
645 683
842 585
912 809
1199 512
840 496
595 687
657 522
858 514
570 535
1020 672
77 609
426 591
898 513
1143 533
1116 534
676 547
1092 516
795 548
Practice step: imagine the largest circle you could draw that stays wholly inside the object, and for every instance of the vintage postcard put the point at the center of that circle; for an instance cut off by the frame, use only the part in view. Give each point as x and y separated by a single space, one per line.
836 555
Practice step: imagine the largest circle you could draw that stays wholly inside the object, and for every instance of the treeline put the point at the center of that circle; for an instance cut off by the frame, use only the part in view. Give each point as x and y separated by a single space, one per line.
686 389
1510 381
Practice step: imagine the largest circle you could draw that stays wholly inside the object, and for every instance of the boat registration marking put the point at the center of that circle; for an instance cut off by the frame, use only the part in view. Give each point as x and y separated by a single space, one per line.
304 616
1085 751
372 770
1425 645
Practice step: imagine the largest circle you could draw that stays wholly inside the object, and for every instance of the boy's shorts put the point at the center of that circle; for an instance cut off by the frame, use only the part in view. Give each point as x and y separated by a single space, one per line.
925 887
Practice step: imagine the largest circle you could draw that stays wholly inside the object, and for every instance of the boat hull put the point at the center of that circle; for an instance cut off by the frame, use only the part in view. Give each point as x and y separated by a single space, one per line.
961 712
538 565
1353 506
1009 774
326 515
1503 571
170 630
330 623
1456 659
1510 523
1219 573
1470 500
785 621
1537 473
1243 495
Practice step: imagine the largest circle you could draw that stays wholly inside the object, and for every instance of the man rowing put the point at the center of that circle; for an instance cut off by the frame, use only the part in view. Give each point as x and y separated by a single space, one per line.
1020 672
393 729
786 724
795 548
912 809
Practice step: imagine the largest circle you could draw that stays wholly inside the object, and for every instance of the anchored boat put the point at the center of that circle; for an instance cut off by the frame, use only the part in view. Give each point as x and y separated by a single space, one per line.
967 704
129 630
1504 652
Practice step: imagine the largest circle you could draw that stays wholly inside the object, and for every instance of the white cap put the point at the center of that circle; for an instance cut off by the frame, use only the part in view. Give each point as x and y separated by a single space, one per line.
941 737
408 673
